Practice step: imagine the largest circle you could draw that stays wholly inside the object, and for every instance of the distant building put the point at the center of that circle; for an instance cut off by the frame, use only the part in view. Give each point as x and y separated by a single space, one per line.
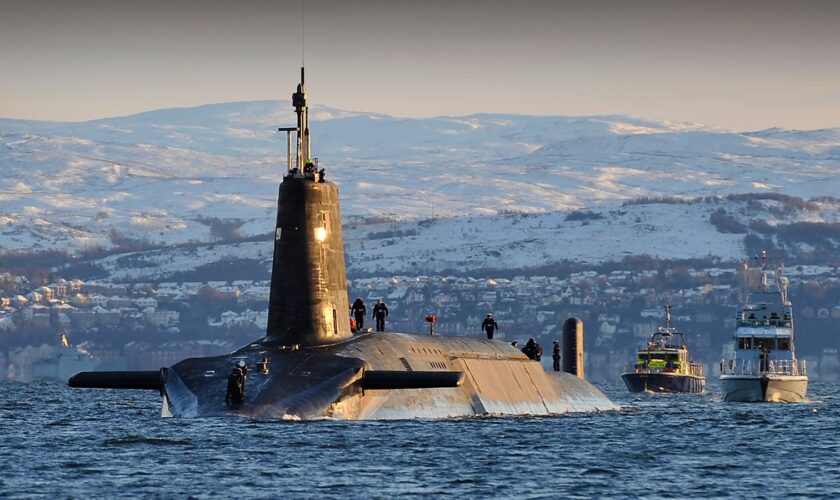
161 318
145 302
82 319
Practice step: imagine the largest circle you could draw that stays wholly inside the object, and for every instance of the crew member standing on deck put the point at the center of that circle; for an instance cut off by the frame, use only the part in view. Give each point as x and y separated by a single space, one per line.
358 311
380 312
555 356
236 387
489 326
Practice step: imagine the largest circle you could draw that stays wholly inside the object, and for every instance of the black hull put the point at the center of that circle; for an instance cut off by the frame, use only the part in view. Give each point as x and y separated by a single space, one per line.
664 383
377 376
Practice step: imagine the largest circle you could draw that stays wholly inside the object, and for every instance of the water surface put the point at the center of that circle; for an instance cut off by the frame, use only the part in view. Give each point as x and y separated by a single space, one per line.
58 442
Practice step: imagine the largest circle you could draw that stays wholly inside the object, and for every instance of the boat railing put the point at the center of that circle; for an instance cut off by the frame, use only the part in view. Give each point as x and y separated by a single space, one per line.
769 367
765 322
695 369
638 368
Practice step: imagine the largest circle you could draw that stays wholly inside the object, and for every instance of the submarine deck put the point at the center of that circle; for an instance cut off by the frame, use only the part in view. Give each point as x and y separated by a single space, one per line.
327 381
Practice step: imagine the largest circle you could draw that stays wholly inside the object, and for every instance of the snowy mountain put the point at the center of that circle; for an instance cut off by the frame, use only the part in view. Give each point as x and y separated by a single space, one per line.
205 174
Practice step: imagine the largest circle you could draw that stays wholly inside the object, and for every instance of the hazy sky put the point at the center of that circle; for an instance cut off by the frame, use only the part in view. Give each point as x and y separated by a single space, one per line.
733 64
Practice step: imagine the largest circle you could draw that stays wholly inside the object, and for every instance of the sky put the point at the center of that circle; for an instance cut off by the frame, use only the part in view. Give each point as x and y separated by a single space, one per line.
737 65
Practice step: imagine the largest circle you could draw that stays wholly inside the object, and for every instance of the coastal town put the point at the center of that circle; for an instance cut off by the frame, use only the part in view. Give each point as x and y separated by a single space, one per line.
149 325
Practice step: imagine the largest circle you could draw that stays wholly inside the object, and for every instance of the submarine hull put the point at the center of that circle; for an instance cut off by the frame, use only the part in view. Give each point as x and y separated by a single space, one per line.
334 381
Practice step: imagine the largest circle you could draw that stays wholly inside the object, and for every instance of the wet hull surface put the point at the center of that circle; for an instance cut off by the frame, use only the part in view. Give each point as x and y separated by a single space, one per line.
327 381
782 389
663 383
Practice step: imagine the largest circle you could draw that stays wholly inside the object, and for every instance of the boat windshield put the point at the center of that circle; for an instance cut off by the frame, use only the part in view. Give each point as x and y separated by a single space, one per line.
653 359
746 343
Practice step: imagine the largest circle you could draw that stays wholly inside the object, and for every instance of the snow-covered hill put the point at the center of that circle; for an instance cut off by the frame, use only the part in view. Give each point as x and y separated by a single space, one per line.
669 229
175 176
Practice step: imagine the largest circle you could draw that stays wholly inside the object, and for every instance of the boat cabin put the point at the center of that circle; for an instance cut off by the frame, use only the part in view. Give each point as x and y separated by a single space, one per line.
765 323
666 352
670 360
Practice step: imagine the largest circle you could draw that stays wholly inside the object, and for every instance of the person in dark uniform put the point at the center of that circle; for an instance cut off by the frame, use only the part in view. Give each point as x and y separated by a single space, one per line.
244 369
309 169
530 348
358 311
236 387
489 326
555 356
538 352
379 313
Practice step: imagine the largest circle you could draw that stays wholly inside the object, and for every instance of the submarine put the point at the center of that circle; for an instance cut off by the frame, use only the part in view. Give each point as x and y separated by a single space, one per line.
310 365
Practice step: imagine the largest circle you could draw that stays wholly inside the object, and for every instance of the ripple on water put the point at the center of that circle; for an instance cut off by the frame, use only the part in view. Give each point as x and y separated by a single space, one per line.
62 422
108 443
142 440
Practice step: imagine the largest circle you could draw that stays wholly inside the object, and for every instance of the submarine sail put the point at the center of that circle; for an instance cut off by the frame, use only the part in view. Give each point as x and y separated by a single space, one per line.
310 365
308 302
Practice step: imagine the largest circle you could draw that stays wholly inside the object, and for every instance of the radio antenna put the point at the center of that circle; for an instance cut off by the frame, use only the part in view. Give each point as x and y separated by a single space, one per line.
302 33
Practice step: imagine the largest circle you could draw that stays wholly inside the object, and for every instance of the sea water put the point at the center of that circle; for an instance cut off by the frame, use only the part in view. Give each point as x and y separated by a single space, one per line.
58 442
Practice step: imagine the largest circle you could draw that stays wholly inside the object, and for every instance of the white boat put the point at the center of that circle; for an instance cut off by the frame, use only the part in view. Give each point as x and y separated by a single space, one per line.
59 363
763 364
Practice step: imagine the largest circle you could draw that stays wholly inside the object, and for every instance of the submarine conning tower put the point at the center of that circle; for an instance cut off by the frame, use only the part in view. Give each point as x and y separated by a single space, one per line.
308 298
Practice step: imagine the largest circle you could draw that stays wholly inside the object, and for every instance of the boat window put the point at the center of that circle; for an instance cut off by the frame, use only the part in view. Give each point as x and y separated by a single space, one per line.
744 343
656 363
784 344
764 344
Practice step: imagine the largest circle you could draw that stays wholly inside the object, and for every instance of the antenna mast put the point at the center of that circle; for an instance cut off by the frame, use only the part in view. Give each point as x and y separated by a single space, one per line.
303 150
302 33
299 102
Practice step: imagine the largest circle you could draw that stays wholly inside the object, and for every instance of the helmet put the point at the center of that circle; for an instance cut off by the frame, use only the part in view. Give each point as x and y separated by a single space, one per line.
489 315
241 364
